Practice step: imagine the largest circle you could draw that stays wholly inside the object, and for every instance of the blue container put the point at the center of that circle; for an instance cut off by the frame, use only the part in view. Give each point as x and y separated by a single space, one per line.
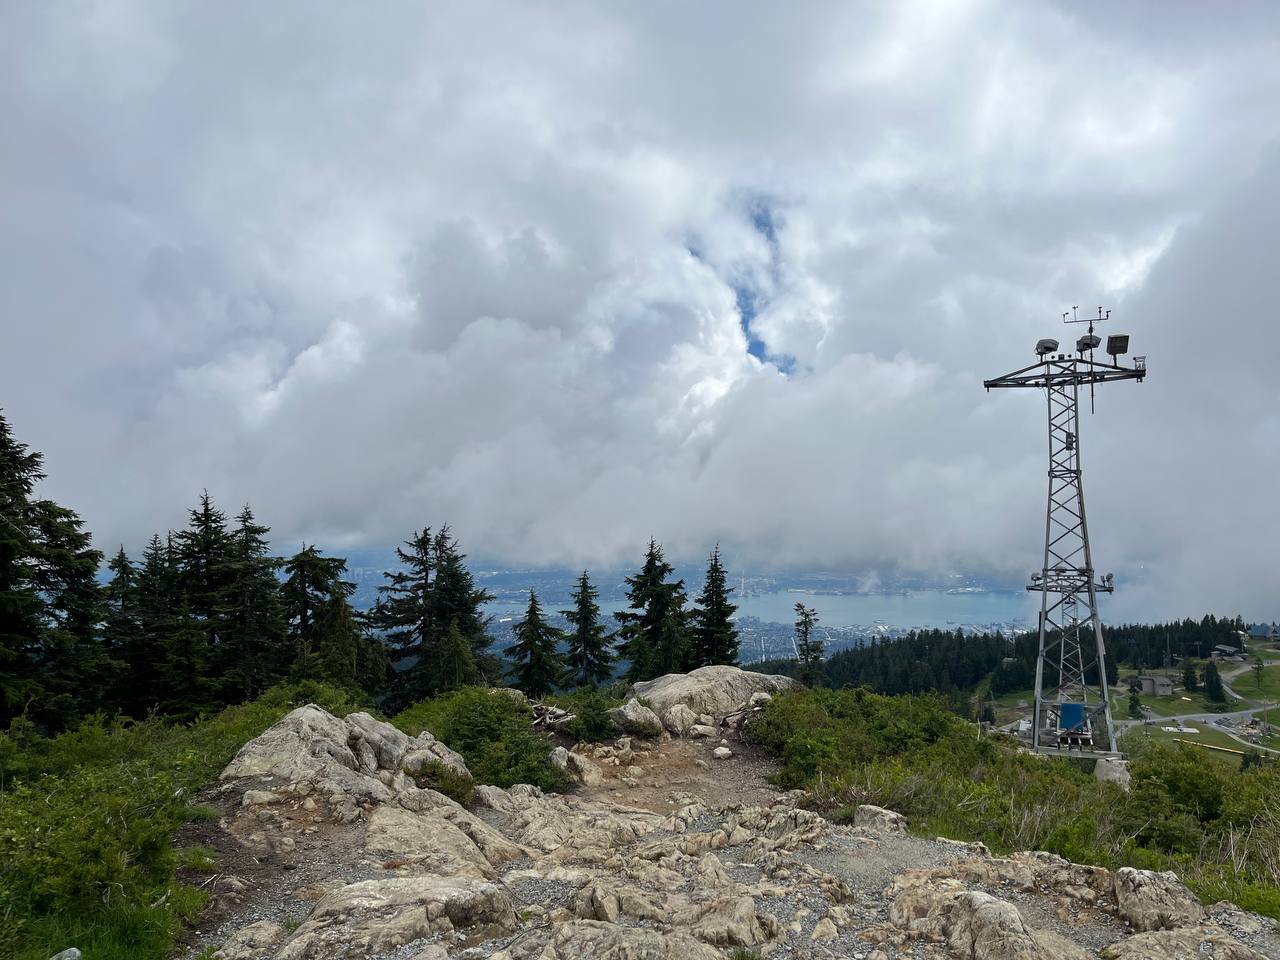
1071 716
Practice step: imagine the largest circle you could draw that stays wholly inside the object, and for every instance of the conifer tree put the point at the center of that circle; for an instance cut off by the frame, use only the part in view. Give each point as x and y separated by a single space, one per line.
337 644
589 661
419 604
456 598
455 666
186 688
714 637
204 570
537 664
52 663
1213 688
122 628
1189 681
653 629
311 583
158 602
809 646
254 640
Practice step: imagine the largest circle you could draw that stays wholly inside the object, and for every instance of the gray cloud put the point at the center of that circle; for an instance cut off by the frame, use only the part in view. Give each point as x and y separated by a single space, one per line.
570 276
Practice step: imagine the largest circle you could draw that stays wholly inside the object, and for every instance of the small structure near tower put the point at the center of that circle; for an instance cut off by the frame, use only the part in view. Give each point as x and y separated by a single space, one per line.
1072 657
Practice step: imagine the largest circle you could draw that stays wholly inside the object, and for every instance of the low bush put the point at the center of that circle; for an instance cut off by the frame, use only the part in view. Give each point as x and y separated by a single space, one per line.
1219 829
86 821
591 723
490 728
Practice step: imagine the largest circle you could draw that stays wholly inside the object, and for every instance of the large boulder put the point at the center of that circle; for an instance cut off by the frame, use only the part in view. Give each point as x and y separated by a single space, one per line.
375 916
1181 944
716 690
870 817
354 760
248 943
1155 901
427 842
634 717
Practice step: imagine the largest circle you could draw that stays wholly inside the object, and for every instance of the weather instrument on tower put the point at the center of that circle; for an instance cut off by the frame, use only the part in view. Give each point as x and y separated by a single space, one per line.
1065 715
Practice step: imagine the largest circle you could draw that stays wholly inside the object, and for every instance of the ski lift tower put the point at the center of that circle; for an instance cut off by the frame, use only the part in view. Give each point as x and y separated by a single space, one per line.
1065 717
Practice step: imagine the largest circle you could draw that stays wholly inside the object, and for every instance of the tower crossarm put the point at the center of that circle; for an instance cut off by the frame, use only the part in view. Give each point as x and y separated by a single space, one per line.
1069 370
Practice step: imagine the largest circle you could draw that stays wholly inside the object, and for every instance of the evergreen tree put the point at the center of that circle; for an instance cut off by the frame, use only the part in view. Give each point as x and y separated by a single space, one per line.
1135 701
653 630
122 628
456 598
1189 681
420 604
311 583
204 570
1213 688
52 663
254 641
337 643
589 660
714 637
537 663
455 667
186 688
158 602
809 647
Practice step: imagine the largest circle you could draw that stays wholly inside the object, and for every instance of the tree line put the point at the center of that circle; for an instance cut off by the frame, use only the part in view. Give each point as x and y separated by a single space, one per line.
207 616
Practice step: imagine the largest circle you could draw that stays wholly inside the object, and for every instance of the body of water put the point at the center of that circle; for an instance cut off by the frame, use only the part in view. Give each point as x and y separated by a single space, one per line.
921 608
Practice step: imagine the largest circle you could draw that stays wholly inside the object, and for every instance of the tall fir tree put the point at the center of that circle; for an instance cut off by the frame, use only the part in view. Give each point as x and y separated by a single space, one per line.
253 642
159 598
204 567
52 664
1189 680
589 659
653 629
455 666
337 645
536 661
122 627
809 646
714 637
458 600
311 583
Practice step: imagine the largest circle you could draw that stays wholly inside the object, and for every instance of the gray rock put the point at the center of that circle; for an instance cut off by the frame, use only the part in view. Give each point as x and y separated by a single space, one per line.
872 817
679 719
715 690
635 718
722 753
71 953
1155 901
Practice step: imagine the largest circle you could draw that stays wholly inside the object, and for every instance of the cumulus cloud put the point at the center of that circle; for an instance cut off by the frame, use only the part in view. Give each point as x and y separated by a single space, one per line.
571 276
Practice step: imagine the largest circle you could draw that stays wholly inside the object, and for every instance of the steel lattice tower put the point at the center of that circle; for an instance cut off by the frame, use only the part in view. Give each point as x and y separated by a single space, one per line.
1067 582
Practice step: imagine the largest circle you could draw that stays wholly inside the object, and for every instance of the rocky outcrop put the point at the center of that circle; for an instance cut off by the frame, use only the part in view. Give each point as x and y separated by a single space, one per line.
378 915
606 941
350 761
1185 943
635 718
715 691
1155 901
405 872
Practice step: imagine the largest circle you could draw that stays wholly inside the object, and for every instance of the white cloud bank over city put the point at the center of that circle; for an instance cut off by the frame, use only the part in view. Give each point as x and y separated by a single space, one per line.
571 275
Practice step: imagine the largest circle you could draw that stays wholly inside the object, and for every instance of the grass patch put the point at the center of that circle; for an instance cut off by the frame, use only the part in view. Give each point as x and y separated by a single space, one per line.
438 777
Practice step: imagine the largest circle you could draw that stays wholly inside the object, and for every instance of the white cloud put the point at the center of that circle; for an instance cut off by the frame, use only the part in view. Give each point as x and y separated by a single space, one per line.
375 268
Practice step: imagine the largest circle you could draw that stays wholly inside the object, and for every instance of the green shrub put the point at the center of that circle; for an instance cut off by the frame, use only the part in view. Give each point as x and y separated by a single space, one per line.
491 730
908 753
591 723
437 776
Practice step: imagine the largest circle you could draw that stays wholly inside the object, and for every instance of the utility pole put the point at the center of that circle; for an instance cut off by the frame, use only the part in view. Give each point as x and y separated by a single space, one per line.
1067 583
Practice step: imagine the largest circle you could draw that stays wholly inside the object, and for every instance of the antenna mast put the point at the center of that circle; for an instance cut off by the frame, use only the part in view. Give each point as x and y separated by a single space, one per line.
1064 716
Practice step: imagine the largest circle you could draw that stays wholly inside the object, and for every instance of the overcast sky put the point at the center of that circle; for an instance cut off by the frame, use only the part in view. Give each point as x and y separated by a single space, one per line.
568 276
